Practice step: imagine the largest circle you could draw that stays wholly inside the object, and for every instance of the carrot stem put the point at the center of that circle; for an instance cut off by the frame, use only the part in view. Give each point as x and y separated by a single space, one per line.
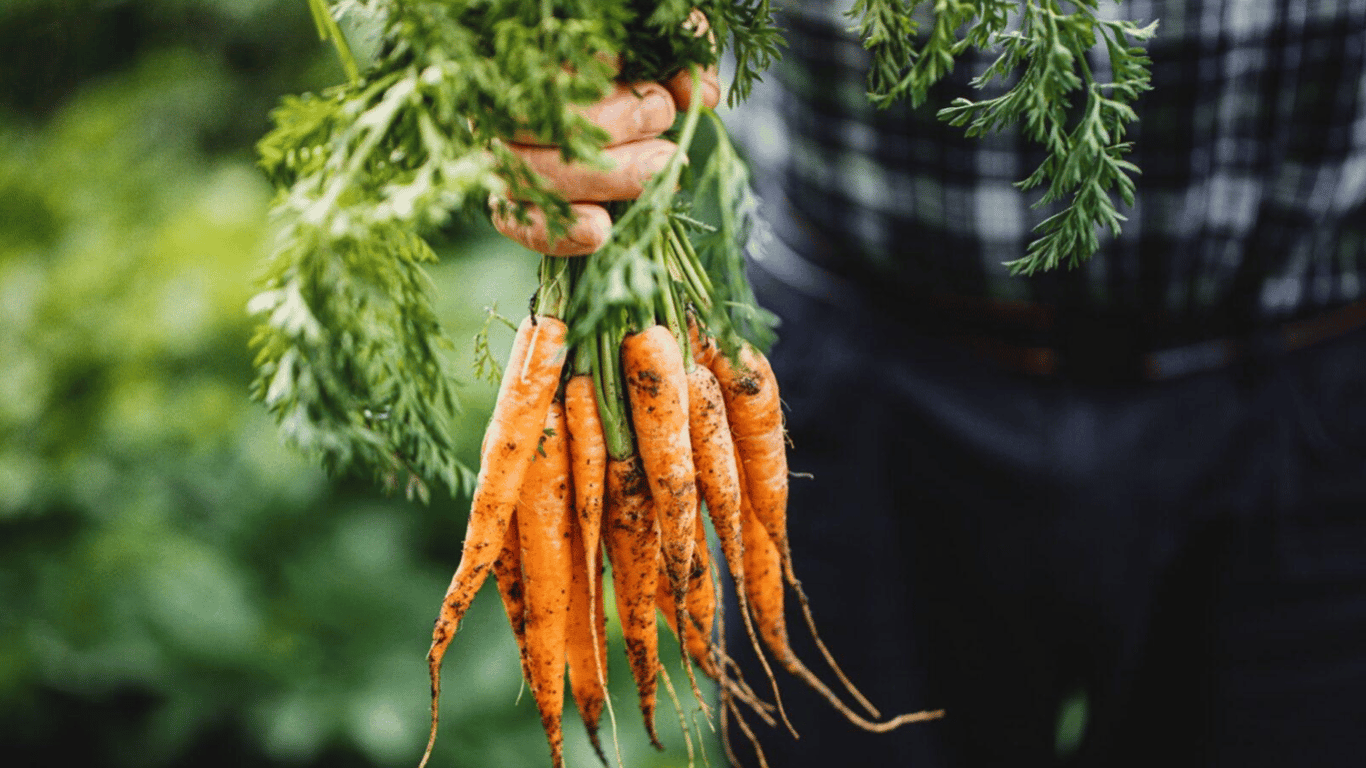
670 309
689 263
552 297
607 380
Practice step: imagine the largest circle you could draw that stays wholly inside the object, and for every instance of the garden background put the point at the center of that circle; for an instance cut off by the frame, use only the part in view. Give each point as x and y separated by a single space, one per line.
176 587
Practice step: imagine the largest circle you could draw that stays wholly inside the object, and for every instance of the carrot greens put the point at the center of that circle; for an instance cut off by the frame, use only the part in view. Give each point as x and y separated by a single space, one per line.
1054 93
349 348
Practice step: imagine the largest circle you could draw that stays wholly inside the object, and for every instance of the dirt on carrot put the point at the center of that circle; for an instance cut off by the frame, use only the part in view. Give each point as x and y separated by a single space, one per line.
524 395
631 534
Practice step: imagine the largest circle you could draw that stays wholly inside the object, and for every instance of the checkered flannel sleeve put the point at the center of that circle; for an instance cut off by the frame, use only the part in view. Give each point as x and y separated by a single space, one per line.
1252 143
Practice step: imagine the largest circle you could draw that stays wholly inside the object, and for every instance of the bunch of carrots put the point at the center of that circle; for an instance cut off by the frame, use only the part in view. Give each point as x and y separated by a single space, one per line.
624 444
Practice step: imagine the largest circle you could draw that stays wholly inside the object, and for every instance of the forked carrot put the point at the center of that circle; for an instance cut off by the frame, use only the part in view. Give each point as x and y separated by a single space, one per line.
631 534
524 395
544 515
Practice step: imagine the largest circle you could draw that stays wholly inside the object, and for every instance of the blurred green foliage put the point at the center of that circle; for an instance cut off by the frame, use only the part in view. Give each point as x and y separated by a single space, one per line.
177 588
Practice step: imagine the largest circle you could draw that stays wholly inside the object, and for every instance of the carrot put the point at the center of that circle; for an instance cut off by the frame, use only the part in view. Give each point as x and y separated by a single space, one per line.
527 387
544 512
714 459
718 478
703 345
507 570
631 534
657 389
696 636
719 481
585 651
588 629
755 414
701 597
588 459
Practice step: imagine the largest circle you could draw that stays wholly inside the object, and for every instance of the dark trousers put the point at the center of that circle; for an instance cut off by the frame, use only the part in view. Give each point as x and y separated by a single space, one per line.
1187 557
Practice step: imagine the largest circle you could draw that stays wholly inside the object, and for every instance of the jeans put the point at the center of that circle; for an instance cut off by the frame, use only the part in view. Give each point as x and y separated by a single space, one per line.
1187 557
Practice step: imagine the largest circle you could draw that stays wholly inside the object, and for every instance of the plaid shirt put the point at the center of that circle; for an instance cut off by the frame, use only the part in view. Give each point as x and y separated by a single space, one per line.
1251 206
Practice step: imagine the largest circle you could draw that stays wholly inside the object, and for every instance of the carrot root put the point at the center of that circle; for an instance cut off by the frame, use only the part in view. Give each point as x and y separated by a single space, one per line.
545 530
631 534
524 395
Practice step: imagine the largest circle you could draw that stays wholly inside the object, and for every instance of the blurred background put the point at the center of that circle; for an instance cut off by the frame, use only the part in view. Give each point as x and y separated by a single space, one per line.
176 587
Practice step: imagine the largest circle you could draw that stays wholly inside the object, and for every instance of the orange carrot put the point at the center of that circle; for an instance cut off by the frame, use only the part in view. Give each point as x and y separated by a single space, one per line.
631 534
755 413
756 424
718 476
764 588
528 385
696 636
588 459
657 389
585 651
588 628
701 597
544 513
507 570
703 345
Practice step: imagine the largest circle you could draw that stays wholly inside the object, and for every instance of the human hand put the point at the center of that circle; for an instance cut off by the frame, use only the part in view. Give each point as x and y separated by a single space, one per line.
633 115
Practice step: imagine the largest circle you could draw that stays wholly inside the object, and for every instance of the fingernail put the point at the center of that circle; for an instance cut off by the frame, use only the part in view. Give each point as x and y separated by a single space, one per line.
585 235
711 93
649 165
656 113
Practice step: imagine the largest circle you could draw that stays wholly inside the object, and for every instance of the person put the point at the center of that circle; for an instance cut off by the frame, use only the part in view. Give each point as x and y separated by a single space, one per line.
1135 489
